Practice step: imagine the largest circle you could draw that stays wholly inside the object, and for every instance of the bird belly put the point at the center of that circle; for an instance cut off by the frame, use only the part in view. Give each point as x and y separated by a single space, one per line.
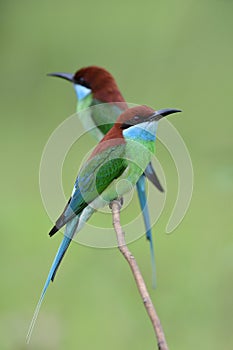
138 153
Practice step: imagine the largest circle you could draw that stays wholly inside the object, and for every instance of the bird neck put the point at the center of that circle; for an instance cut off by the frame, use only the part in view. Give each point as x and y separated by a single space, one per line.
84 102
86 116
81 91
113 138
109 93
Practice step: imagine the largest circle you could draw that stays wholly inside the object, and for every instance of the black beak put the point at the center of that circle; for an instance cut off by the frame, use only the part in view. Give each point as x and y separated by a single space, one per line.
66 76
163 113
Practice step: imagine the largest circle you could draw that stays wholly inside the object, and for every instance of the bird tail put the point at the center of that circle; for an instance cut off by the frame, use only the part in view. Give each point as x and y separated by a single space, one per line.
71 228
152 176
145 211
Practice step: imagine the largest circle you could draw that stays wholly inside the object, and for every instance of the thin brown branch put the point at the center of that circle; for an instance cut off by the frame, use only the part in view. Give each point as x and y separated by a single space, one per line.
161 341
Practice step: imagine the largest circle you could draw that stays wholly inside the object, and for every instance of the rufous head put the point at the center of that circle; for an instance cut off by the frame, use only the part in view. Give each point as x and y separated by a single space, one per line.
141 114
137 115
96 80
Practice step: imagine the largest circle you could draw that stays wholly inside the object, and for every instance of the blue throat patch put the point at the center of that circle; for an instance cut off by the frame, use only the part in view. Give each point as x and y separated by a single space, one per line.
81 91
144 131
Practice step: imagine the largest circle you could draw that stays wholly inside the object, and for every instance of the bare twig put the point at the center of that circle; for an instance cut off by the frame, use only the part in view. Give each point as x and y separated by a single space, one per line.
161 341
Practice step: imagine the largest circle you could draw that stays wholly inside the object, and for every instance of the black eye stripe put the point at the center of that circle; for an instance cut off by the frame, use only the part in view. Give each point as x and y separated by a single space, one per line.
83 82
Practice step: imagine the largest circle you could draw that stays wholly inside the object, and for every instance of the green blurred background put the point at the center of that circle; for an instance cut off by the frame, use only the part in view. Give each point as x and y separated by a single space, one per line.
164 54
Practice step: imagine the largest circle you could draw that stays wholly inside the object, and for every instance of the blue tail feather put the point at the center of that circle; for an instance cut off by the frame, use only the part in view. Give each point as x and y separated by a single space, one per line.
58 258
69 233
141 189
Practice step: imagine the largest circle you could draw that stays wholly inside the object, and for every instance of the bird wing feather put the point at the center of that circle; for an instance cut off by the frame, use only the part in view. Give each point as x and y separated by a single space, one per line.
96 175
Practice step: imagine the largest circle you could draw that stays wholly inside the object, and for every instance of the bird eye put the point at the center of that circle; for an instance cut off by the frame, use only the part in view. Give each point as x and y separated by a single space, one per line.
83 82
136 117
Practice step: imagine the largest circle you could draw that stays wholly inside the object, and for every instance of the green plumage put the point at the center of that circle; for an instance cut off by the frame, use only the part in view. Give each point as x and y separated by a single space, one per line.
105 115
97 120
97 174
137 156
100 171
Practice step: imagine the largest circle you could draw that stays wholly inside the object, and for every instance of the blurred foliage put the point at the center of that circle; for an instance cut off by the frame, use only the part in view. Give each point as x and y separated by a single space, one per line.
164 54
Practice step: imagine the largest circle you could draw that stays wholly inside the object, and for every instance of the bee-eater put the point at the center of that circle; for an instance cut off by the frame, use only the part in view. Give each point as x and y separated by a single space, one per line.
113 159
95 85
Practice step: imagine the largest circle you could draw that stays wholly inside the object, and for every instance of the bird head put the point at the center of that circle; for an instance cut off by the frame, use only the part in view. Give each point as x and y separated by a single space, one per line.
142 114
95 80
129 118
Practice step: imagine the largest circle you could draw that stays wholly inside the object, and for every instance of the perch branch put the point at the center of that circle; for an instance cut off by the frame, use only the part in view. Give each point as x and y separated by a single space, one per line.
161 341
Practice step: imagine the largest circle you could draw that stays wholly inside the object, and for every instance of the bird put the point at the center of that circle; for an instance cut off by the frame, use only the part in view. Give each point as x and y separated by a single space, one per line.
94 86
113 159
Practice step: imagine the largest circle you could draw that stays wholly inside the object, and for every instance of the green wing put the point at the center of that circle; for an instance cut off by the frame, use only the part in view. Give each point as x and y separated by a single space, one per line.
95 176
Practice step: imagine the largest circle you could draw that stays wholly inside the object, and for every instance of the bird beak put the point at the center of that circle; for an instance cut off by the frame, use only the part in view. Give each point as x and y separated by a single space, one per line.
163 113
66 76
156 116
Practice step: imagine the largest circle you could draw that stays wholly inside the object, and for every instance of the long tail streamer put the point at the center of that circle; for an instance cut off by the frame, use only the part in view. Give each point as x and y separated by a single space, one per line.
69 233
141 189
